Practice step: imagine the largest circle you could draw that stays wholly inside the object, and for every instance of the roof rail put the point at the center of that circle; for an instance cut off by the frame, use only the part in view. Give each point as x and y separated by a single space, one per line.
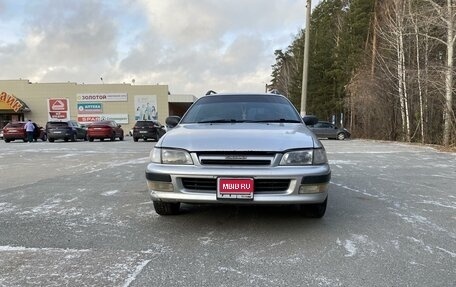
210 92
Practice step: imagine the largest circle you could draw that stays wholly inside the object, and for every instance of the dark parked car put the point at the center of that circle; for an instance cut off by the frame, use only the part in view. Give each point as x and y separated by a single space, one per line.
105 129
15 131
328 130
239 149
148 130
65 130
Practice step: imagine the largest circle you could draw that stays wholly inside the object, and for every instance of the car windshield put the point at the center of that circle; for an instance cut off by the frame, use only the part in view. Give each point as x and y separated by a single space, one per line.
57 125
242 108
145 123
16 125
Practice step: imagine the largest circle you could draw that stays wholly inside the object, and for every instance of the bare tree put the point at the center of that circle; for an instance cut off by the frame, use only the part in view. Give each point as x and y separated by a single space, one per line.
447 15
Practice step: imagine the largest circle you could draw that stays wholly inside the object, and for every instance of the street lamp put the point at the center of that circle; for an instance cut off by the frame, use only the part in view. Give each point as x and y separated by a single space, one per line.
306 60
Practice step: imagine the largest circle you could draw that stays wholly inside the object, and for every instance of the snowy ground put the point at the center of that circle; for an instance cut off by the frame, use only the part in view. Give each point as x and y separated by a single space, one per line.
78 214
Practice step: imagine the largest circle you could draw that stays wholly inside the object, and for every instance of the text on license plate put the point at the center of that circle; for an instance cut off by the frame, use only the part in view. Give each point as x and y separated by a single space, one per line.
235 188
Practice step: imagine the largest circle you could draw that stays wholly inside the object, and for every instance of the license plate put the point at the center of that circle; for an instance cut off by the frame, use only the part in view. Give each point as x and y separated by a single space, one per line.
13 131
58 132
143 132
235 188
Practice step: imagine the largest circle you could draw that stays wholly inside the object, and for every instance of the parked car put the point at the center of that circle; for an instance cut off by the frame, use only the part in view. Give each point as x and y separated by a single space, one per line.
148 130
239 149
65 130
105 129
328 130
15 131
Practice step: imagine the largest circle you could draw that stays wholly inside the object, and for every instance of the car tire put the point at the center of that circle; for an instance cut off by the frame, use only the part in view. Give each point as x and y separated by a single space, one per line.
113 137
135 139
73 138
341 136
44 138
65 139
7 141
51 140
121 138
90 139
316 210
166 208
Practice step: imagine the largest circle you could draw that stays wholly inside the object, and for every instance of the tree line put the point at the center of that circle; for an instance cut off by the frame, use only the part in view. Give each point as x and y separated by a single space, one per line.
382 68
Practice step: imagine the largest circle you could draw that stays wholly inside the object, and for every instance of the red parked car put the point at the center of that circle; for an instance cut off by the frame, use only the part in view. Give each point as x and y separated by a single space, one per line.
15 131
105 130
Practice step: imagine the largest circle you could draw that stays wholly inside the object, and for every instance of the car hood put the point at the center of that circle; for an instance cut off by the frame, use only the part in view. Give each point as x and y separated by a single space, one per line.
239 137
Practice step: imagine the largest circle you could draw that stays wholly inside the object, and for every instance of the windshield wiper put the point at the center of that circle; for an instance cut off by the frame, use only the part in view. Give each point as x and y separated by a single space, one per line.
279 121
219 121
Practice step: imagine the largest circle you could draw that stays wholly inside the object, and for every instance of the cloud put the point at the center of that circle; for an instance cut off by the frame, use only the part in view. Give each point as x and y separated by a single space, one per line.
190 45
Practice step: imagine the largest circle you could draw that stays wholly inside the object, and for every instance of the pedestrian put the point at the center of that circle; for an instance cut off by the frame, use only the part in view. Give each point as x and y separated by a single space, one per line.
29 129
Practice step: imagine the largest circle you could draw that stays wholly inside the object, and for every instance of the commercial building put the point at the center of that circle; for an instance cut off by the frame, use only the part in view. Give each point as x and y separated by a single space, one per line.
85 103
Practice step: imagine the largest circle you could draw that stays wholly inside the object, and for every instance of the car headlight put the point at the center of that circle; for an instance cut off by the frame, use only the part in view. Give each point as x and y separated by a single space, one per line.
170 156
304 157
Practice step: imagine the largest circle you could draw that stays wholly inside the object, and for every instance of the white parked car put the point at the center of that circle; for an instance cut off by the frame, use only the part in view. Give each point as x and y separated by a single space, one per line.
239 149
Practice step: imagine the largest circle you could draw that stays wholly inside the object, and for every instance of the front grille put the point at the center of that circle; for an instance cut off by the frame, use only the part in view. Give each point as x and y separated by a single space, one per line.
200 183
234 162
239 159
261 185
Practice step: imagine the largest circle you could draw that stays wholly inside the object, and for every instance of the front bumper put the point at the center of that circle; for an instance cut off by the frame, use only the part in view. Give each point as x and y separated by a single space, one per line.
148 135
315 178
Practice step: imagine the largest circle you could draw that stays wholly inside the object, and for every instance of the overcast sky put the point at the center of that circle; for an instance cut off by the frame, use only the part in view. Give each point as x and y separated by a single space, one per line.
190 45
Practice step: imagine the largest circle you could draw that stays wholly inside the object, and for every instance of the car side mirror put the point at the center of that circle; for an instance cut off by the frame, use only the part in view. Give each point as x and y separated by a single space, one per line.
310 120
172 121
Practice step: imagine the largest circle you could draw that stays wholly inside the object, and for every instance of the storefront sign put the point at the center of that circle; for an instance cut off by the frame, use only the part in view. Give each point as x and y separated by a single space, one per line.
58 116
90 108
108 97
58 109
119 118
11 101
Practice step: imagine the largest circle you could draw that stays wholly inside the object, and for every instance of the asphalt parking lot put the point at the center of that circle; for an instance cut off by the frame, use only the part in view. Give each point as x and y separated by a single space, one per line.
78 214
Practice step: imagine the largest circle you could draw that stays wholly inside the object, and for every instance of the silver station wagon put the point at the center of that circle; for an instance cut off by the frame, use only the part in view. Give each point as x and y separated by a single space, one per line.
239 149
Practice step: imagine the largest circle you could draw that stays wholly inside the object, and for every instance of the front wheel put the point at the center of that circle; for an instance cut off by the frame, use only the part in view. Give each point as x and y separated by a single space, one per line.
166 208
341 136
316 210
90 139
44 138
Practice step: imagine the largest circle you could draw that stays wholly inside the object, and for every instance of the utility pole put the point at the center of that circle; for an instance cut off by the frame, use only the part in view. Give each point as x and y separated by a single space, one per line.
306 60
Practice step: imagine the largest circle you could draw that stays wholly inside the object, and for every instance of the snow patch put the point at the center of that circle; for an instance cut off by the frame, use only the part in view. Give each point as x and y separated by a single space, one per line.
109 193
135 274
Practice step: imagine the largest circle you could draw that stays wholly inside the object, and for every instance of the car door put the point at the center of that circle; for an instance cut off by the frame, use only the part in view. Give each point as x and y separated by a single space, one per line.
79 130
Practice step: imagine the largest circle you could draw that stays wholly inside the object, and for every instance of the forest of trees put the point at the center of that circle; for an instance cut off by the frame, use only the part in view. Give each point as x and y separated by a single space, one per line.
381 68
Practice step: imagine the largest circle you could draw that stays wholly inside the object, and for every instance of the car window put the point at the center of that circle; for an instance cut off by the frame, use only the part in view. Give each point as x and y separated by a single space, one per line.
327 126
56 124
242 108
16 125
